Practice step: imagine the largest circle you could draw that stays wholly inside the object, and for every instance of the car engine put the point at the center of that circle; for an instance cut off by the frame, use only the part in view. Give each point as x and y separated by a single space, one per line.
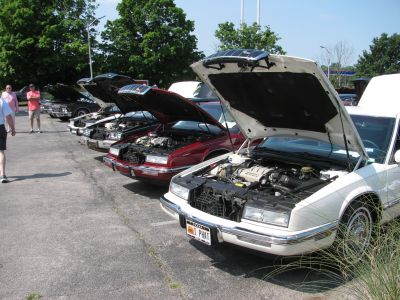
223 189
103 131
157 144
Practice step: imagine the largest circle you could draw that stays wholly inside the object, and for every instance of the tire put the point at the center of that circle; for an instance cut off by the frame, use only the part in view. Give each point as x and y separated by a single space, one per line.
81 112
355 232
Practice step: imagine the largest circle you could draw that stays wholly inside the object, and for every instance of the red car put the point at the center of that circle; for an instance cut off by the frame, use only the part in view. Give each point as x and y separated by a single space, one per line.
189 133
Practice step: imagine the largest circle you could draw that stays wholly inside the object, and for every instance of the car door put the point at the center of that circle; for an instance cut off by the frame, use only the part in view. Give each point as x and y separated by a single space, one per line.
392 206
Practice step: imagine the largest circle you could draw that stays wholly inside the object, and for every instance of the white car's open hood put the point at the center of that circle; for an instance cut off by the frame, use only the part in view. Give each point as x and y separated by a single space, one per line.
271 95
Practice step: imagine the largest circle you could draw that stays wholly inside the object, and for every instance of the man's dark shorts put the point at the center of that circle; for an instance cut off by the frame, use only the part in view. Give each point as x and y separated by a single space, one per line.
3 137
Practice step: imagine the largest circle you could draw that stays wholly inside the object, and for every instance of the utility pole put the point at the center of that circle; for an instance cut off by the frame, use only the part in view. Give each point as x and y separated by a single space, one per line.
258 12
329 58
241 12
89 48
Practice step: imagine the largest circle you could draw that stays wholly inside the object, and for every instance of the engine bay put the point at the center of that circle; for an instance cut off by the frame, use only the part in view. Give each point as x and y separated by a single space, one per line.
104 131
156 143
223 189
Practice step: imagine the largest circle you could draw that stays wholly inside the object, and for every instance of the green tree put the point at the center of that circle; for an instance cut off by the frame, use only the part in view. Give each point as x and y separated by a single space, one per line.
43 41
247 37
151 40
383 57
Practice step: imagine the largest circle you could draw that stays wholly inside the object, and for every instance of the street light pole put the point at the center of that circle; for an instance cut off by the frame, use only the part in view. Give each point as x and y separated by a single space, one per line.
329 58
89 49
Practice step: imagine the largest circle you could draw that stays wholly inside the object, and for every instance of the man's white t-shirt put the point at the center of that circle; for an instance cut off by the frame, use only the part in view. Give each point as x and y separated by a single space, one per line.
5 110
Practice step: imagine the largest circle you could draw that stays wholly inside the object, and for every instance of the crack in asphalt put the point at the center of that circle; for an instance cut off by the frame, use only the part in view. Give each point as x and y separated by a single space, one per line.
151 252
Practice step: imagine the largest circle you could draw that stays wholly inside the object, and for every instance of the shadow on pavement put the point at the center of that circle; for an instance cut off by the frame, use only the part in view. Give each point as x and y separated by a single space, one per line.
282 271
43 131
38 175
99 158
146 189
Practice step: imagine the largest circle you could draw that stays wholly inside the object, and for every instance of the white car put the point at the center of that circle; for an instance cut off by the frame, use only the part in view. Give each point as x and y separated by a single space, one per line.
78 124
318 168
193 90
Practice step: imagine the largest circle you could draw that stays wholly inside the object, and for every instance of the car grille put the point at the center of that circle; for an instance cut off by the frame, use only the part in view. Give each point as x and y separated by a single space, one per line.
205 200
56 109
133 157
99 135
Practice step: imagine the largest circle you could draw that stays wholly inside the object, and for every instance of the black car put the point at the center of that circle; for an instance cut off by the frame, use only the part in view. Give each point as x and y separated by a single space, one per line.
133 118
21 94
67 102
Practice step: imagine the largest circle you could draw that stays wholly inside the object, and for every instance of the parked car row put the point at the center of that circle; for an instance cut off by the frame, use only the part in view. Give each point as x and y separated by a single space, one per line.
278 164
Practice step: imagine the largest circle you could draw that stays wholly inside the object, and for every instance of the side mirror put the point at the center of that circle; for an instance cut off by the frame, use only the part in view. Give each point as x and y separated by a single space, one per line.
397 156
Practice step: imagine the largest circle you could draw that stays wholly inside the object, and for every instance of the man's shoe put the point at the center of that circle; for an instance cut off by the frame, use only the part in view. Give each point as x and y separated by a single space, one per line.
39 131
31 131
4 180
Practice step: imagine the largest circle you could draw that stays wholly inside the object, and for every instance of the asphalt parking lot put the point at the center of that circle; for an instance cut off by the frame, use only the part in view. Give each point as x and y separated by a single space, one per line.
70 228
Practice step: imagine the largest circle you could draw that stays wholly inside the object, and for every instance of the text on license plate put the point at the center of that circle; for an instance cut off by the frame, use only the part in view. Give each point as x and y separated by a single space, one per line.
199 232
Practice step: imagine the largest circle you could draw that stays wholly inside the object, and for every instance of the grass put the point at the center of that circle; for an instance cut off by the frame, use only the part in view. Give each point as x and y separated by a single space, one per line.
33 296
376 276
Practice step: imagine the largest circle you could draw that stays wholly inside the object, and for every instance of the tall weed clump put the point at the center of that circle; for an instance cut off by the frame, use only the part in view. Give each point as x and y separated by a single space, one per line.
374 276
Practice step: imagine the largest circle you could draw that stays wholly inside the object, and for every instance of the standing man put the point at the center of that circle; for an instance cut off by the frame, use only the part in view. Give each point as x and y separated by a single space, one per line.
5 114
33 97
11 99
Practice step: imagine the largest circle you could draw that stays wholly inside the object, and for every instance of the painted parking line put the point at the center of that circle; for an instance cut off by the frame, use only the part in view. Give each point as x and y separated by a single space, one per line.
164 223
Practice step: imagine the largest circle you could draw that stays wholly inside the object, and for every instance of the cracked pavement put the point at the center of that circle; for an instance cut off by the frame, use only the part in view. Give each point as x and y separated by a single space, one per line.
71 228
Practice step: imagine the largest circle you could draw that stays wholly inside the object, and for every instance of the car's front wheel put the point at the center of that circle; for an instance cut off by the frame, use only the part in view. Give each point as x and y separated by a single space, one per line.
81 112
355 232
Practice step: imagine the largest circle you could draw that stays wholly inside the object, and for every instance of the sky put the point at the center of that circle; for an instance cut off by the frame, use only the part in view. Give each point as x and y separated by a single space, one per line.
303 26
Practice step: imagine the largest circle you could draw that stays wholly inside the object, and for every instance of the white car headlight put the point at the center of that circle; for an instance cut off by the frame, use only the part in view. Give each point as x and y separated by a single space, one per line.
180 191
280 218
64 109
157 159
114 151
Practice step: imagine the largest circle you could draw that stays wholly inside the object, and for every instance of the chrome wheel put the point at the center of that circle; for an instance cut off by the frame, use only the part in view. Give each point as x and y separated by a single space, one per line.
356 232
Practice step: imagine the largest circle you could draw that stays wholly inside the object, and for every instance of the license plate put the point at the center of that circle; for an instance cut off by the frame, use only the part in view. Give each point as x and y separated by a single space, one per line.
198 232
149 172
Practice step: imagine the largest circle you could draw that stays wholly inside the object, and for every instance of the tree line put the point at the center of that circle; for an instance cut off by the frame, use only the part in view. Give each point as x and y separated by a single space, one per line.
45 42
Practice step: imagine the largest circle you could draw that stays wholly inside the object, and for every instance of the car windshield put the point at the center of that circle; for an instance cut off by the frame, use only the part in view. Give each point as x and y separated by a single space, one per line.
203 91
215 110
374 131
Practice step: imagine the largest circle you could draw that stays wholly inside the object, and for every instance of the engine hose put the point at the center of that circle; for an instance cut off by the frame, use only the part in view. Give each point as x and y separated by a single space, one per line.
282 188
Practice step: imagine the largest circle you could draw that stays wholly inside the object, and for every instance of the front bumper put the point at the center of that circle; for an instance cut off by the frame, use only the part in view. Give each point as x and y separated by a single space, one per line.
117 166
143 172
75 130
254 237
99 144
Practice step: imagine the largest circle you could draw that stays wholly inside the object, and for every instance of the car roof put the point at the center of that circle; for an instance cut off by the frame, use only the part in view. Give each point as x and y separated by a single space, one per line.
366 111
